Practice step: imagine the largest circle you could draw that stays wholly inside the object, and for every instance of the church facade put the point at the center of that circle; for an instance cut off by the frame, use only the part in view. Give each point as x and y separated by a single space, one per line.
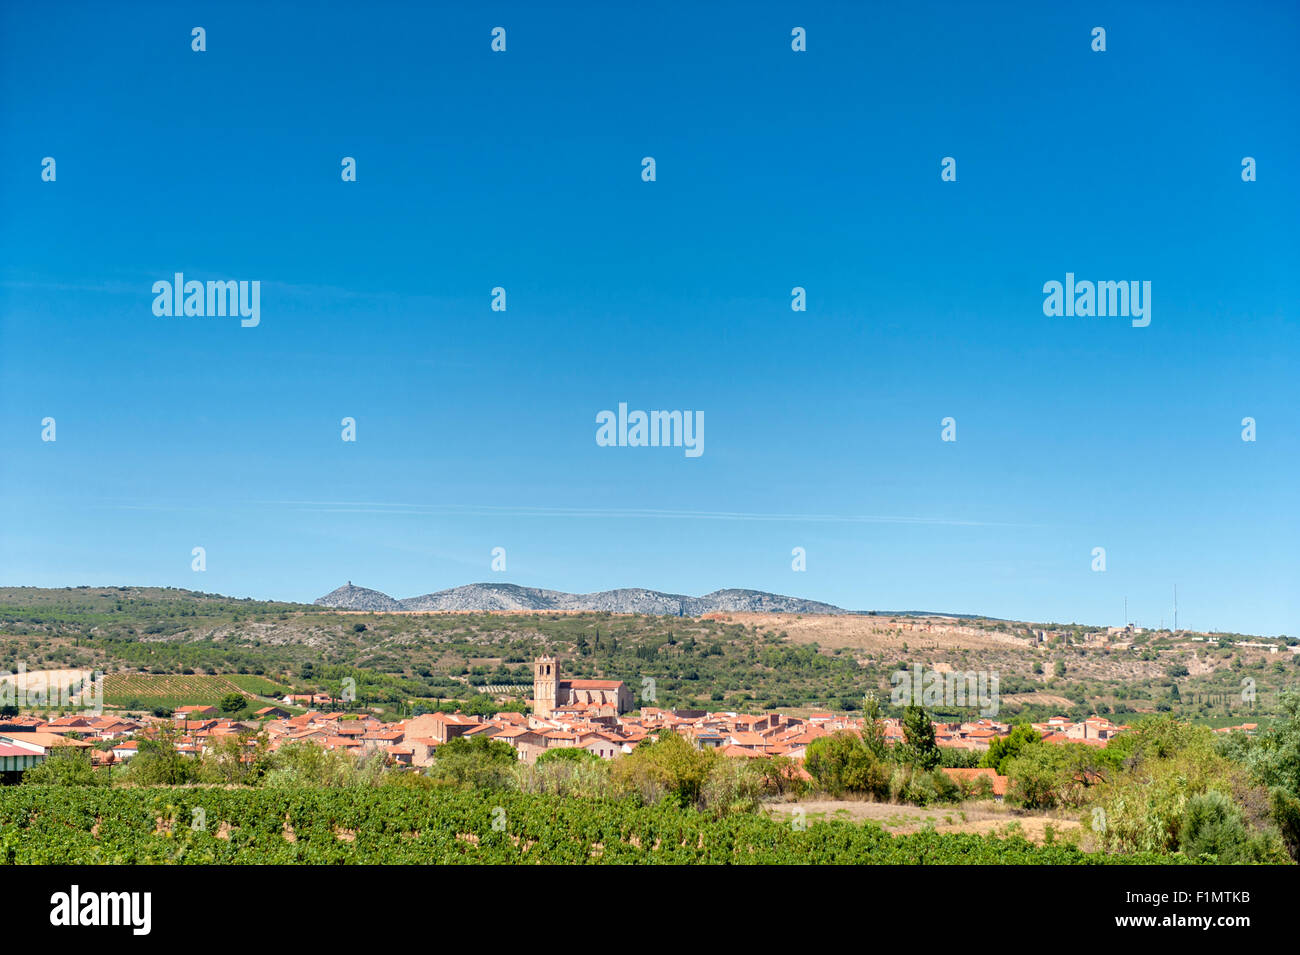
552 695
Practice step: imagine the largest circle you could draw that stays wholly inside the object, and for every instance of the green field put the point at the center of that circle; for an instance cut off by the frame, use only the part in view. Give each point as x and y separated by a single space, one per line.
400 825
153 690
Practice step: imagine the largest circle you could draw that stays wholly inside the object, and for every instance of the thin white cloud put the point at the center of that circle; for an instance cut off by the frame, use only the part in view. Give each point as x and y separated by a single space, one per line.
379 507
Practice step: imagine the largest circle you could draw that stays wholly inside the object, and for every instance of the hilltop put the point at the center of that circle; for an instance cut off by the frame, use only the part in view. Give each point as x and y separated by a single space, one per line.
511 597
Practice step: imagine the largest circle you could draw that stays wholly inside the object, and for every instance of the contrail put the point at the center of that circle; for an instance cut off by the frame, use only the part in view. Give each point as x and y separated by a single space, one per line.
378 507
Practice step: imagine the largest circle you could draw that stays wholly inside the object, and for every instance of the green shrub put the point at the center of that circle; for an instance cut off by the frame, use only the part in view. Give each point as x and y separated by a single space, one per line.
921 787
842 763
66 766
475 761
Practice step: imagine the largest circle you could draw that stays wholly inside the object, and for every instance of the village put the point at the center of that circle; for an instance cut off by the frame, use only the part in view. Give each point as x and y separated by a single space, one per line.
593 715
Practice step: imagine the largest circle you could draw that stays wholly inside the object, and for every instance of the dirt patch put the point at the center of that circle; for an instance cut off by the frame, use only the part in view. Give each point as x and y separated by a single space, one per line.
878 634
980 817
1040 699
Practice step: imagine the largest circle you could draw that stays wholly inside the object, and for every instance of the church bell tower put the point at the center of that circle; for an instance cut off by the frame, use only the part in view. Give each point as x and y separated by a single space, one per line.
546 686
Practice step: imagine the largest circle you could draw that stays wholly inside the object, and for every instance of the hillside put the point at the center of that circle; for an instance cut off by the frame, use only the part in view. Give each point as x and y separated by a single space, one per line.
720 660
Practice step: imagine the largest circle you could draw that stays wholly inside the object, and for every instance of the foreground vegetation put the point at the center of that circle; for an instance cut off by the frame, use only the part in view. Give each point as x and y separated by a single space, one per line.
1165 786
399 825
1165 790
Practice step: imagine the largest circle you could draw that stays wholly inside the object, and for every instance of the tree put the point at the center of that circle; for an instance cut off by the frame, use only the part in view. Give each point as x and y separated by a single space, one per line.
1274 761
567 754
232 703
873 727
919 747
474 761
65 766
1036 776
1164 763
306 764
842 763
1275 756
668 767
1286 814
157 763
1212 826
1003 749
234 761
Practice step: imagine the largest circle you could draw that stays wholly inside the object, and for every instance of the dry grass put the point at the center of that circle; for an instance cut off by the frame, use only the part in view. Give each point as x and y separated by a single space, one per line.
980 817
879 634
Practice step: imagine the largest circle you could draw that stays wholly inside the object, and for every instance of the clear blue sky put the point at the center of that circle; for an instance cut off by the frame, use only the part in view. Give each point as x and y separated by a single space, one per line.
476 429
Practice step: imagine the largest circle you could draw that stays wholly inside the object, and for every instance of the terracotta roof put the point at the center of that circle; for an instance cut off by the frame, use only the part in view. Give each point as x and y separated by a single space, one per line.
999 783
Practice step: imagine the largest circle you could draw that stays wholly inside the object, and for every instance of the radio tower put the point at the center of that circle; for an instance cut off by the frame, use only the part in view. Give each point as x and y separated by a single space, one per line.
1175 608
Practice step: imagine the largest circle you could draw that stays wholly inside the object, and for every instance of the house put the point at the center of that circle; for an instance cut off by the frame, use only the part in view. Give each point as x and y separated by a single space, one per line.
308 699
422 749
69 724
111 727
18 757
190 712
125 749
440 727
528 743
42 740
374 740
752 742
271 713
603 746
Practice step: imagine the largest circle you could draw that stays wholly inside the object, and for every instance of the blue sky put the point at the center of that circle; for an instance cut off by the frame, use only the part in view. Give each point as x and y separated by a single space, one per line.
775 169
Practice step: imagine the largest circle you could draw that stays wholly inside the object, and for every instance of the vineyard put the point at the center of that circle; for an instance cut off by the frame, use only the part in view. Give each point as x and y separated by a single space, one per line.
150 690
388 825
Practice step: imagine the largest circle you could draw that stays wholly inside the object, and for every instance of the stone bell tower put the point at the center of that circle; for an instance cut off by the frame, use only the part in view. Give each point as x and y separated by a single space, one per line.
546 686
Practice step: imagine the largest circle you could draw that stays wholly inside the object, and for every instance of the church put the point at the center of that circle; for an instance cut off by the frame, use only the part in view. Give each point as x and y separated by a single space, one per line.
551 695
